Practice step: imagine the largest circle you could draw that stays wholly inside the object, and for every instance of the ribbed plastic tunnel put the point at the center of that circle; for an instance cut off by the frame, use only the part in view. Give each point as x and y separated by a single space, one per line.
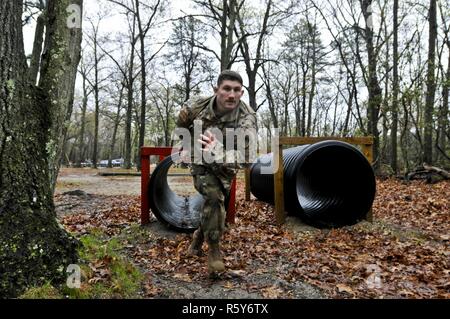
181 213
178 212
327 184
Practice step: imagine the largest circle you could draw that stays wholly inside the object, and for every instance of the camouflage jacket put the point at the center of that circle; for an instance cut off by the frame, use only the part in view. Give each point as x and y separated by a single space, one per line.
228 158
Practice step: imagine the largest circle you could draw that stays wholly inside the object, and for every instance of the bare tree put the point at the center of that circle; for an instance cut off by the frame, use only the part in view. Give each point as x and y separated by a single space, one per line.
164 102
270 97
305 55
253 59
116 93
145 20
346 42
394 108
442 134
431 85
95 42
84 71
185 57
373 85
127 69
220 16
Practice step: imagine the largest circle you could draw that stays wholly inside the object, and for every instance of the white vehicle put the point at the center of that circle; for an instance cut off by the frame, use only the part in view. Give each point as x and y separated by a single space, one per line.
87 163
117 162
103 163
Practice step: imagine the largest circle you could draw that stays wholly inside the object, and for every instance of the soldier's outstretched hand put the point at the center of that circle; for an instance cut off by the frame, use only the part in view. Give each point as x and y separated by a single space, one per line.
208 141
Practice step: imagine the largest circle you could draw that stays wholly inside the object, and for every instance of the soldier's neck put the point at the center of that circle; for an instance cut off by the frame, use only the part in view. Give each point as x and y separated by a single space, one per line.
219 112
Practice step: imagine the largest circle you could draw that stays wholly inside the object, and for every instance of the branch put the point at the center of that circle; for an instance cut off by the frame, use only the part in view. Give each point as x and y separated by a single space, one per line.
122 5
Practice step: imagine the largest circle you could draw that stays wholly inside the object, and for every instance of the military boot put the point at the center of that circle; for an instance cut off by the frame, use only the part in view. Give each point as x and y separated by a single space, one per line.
215 263
195 249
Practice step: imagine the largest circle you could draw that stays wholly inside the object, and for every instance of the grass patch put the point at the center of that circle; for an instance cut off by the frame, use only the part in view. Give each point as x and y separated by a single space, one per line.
47 291
105 274
136 235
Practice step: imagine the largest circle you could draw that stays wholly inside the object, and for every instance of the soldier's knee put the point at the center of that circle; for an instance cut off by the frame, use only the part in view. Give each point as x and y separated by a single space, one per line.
213 236
213 198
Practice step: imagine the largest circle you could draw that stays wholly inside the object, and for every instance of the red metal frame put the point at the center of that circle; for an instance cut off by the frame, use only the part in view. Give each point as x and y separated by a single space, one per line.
163 152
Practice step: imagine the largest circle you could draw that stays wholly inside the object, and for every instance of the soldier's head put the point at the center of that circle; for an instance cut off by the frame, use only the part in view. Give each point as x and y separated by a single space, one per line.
228 91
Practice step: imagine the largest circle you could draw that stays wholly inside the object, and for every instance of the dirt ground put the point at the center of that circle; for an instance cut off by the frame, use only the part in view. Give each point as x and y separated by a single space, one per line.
97 193
404 253
90 181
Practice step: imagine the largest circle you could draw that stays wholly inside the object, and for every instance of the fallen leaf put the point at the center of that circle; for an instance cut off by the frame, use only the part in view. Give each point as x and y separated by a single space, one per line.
238 272
344 288
271 292
228 285
184 277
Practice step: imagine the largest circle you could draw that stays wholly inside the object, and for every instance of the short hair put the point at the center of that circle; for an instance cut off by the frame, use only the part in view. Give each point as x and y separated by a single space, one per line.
229 75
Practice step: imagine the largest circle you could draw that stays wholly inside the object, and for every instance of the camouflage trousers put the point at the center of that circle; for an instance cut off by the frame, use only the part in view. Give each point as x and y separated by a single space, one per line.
214 190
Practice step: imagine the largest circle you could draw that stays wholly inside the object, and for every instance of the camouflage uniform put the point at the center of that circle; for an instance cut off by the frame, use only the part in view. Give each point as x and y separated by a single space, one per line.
213 180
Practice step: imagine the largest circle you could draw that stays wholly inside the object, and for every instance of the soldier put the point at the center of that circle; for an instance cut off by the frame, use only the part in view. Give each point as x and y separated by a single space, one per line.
224 110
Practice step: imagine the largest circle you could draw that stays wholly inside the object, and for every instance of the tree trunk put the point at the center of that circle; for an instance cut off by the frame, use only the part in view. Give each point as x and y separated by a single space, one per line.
442 135
252 89
270 98
303 92
431 86
81 145
37 48
116 126
405 130
312 31
33 248
58 73
128 118
224 59
349 110
246 51
227 22
311 97
143 84
385 109
297 102
375 92
96 101
443 116
394 127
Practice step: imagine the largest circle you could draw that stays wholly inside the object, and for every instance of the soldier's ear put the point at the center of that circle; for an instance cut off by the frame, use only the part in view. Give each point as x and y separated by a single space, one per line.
215 89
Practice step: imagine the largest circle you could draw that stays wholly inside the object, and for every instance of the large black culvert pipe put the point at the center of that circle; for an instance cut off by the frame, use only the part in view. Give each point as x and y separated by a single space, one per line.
327 184
181 213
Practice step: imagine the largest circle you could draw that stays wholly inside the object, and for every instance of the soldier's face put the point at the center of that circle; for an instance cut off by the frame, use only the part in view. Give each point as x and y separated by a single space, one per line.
228 95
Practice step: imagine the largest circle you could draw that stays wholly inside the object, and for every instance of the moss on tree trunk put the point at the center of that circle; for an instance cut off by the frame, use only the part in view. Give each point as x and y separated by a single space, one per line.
34 249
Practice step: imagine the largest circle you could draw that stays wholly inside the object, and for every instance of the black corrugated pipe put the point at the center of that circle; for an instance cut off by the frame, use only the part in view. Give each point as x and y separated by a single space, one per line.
327 184
181 213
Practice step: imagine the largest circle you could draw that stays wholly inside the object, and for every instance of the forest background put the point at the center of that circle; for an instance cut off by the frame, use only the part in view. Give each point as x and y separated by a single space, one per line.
311 68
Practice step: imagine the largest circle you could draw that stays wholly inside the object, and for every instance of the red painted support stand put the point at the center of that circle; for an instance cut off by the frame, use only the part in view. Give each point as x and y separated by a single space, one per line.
163 152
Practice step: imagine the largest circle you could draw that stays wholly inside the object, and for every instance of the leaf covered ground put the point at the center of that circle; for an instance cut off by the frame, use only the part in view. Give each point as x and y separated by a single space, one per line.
404 253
